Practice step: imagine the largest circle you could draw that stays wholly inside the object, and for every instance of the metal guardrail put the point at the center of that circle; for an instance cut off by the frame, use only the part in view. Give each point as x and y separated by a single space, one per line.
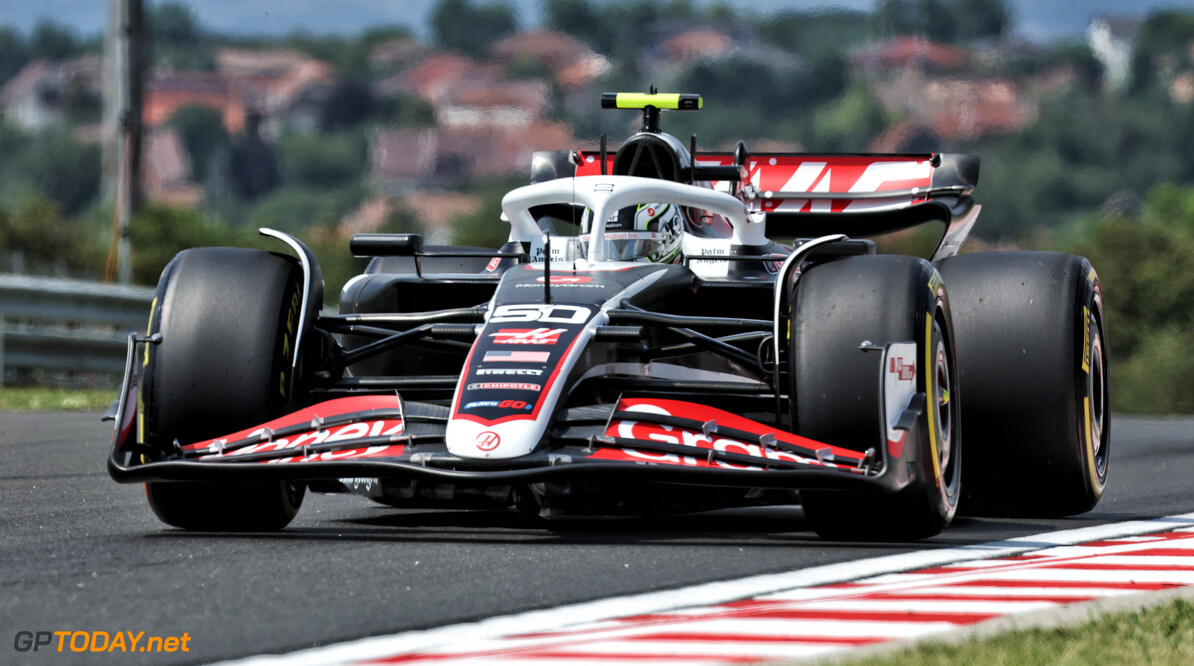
68 326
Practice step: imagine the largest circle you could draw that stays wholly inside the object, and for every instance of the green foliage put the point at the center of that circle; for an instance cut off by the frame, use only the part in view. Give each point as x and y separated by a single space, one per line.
484 227
349 103
14 54
405 111
816 34
848 123
1145 268
158 233
1161 48
296 208
461 25
51 164
1084 148
951 21
202 131
322 160
53 41
37 228
176 39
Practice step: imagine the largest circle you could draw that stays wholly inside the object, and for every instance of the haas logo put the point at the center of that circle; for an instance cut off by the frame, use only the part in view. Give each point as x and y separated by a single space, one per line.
904 372
488 440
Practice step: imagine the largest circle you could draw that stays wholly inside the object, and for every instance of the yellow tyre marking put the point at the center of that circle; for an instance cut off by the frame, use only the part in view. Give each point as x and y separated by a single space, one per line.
930 378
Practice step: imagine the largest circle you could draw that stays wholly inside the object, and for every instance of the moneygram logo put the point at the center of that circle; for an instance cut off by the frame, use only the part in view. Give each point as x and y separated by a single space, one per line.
98 641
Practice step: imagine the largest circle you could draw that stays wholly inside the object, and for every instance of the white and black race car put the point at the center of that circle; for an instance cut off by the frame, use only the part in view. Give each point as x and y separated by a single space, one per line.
664 331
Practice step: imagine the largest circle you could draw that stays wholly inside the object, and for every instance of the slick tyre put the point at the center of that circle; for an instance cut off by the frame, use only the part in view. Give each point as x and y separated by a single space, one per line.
227 319
836 395
1033 357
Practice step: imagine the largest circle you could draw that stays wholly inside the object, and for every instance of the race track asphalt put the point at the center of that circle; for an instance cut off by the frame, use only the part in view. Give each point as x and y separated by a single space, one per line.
81 553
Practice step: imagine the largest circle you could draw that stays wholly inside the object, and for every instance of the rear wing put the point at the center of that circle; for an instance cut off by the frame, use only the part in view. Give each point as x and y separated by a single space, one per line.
808 195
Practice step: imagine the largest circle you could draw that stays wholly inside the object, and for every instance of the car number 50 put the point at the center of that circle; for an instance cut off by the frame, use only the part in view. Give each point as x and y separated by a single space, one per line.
550 314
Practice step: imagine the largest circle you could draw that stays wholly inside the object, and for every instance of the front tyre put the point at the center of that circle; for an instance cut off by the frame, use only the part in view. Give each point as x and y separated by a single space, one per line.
228 319
836 395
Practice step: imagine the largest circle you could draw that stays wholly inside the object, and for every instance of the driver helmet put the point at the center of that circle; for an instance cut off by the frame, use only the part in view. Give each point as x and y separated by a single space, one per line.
650 232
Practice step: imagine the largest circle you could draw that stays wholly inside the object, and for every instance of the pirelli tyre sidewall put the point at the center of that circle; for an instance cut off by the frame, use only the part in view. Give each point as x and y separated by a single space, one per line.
228 318
1032 351
837 399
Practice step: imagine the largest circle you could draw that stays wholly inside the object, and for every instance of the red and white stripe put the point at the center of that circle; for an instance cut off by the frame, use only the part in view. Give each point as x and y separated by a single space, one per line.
891 604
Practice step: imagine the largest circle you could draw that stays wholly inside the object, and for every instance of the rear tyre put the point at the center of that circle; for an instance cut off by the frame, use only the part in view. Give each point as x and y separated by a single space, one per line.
1033 357
228 319
836 391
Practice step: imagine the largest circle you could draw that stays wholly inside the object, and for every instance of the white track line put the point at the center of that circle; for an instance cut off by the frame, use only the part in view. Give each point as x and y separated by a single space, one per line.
878 572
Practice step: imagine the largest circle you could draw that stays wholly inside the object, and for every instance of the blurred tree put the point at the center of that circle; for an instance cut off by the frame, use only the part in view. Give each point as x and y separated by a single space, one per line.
323 160
176 40
201 129
950 21
405 111
484 226
828 33
62 169
350 103
160 232
459 24
849 123
1148 287
14 54
1161 49
53 41
581 20
253 165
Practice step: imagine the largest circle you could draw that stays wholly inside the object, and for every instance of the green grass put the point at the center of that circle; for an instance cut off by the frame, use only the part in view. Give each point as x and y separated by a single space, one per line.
55 399
1160 635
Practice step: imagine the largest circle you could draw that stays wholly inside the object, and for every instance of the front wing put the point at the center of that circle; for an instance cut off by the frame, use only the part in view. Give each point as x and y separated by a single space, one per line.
642 439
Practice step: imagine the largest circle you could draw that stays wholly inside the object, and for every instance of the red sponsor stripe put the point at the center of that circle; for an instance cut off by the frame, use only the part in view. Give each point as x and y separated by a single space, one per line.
1147 587
680 637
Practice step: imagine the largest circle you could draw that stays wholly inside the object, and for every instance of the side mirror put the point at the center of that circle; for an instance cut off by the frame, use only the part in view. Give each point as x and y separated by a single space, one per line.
386 245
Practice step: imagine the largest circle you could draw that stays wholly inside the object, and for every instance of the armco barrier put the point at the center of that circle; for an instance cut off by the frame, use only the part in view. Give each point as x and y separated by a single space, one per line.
68 326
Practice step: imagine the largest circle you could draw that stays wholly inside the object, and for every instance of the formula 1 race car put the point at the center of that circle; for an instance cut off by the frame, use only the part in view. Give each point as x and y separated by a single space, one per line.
665 330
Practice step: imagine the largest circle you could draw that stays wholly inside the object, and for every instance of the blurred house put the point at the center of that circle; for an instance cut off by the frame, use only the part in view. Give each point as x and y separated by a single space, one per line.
166 173
435 76
287 88
957 107
42 95
492 103
168 91
570 63
675 46
904 53
397 54
406 158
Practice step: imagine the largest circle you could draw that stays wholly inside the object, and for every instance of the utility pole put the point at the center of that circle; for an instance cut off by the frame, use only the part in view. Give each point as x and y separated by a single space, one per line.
123 38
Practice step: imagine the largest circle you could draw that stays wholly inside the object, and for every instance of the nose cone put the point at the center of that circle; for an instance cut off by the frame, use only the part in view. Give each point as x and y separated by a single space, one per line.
508 439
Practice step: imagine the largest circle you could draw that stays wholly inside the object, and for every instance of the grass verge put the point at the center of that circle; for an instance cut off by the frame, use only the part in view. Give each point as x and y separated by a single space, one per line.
1160 635
28 399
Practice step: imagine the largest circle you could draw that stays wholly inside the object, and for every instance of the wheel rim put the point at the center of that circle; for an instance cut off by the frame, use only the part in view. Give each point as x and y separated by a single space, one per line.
942 387
1096 390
